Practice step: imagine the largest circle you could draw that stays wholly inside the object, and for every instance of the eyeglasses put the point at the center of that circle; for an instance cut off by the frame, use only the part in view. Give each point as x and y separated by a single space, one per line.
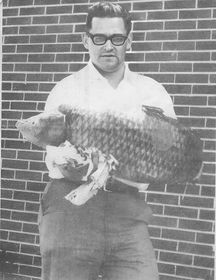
101 39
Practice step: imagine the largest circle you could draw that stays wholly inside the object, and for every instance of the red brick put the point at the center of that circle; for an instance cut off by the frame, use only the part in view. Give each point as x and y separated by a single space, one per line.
19 21
8 154
28 175
211 122
7 12
190 35
207 214
9 267
195 225
19 258
206 238
179 45
212 78
166 268
204 67
32 207
24 216
164 221
16 236
191 78
46 2
11 184
80 8
13 77
54 67
27 196
138 36
180 212
70 57
10 225
178 89
9 246
73 19
39 78
23 106
70 38
15 58
144 67
16 39
29 48
162 244
162 77
20 2
150 5
198 249
162 15
30 249
80 28
161 35
15 164
46 87
146 46
43 39
191 56
31 228
10 30
197 202
149 25
30 155
206 24
32 29
32 11
7 173
180 4
162 198
57 48
41 57
206 3
204 89
12 204
210 145
60 29
25 86
45 20
178 234
30 270
78 48
138 16
195 111
27 67
189 14
59 9
206 45
176 258
187 24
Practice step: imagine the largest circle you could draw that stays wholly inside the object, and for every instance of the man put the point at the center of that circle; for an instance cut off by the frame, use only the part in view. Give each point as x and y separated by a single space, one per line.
108 235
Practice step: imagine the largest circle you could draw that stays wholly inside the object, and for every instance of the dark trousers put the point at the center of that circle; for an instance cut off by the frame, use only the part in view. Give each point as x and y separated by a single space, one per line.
108 236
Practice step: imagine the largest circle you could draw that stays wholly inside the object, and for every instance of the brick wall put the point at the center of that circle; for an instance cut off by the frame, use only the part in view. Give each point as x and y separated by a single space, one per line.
174 42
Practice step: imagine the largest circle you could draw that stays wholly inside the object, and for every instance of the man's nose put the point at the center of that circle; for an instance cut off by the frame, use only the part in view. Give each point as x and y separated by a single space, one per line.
108 45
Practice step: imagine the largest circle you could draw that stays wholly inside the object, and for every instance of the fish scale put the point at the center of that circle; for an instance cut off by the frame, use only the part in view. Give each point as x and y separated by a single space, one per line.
150 147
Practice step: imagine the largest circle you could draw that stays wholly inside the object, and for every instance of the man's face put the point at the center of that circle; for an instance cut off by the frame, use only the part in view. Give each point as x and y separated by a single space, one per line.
107 57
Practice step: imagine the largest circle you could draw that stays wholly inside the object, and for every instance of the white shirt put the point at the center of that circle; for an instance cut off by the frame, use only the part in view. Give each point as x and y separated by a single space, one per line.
88 89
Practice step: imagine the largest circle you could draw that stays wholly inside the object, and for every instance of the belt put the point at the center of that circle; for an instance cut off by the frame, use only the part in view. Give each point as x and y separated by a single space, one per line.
116 186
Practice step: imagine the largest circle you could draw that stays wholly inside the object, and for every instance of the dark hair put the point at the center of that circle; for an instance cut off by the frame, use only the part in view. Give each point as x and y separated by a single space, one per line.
108 9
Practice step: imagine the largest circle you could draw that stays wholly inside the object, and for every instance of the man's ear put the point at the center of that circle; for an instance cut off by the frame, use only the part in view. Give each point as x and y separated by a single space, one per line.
129 41
85 40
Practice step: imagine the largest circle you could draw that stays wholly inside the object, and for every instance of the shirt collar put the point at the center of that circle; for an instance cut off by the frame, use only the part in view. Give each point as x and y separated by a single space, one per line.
95 74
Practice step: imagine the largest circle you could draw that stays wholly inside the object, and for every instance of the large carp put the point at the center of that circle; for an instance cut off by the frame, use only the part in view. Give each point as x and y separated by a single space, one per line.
149 146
